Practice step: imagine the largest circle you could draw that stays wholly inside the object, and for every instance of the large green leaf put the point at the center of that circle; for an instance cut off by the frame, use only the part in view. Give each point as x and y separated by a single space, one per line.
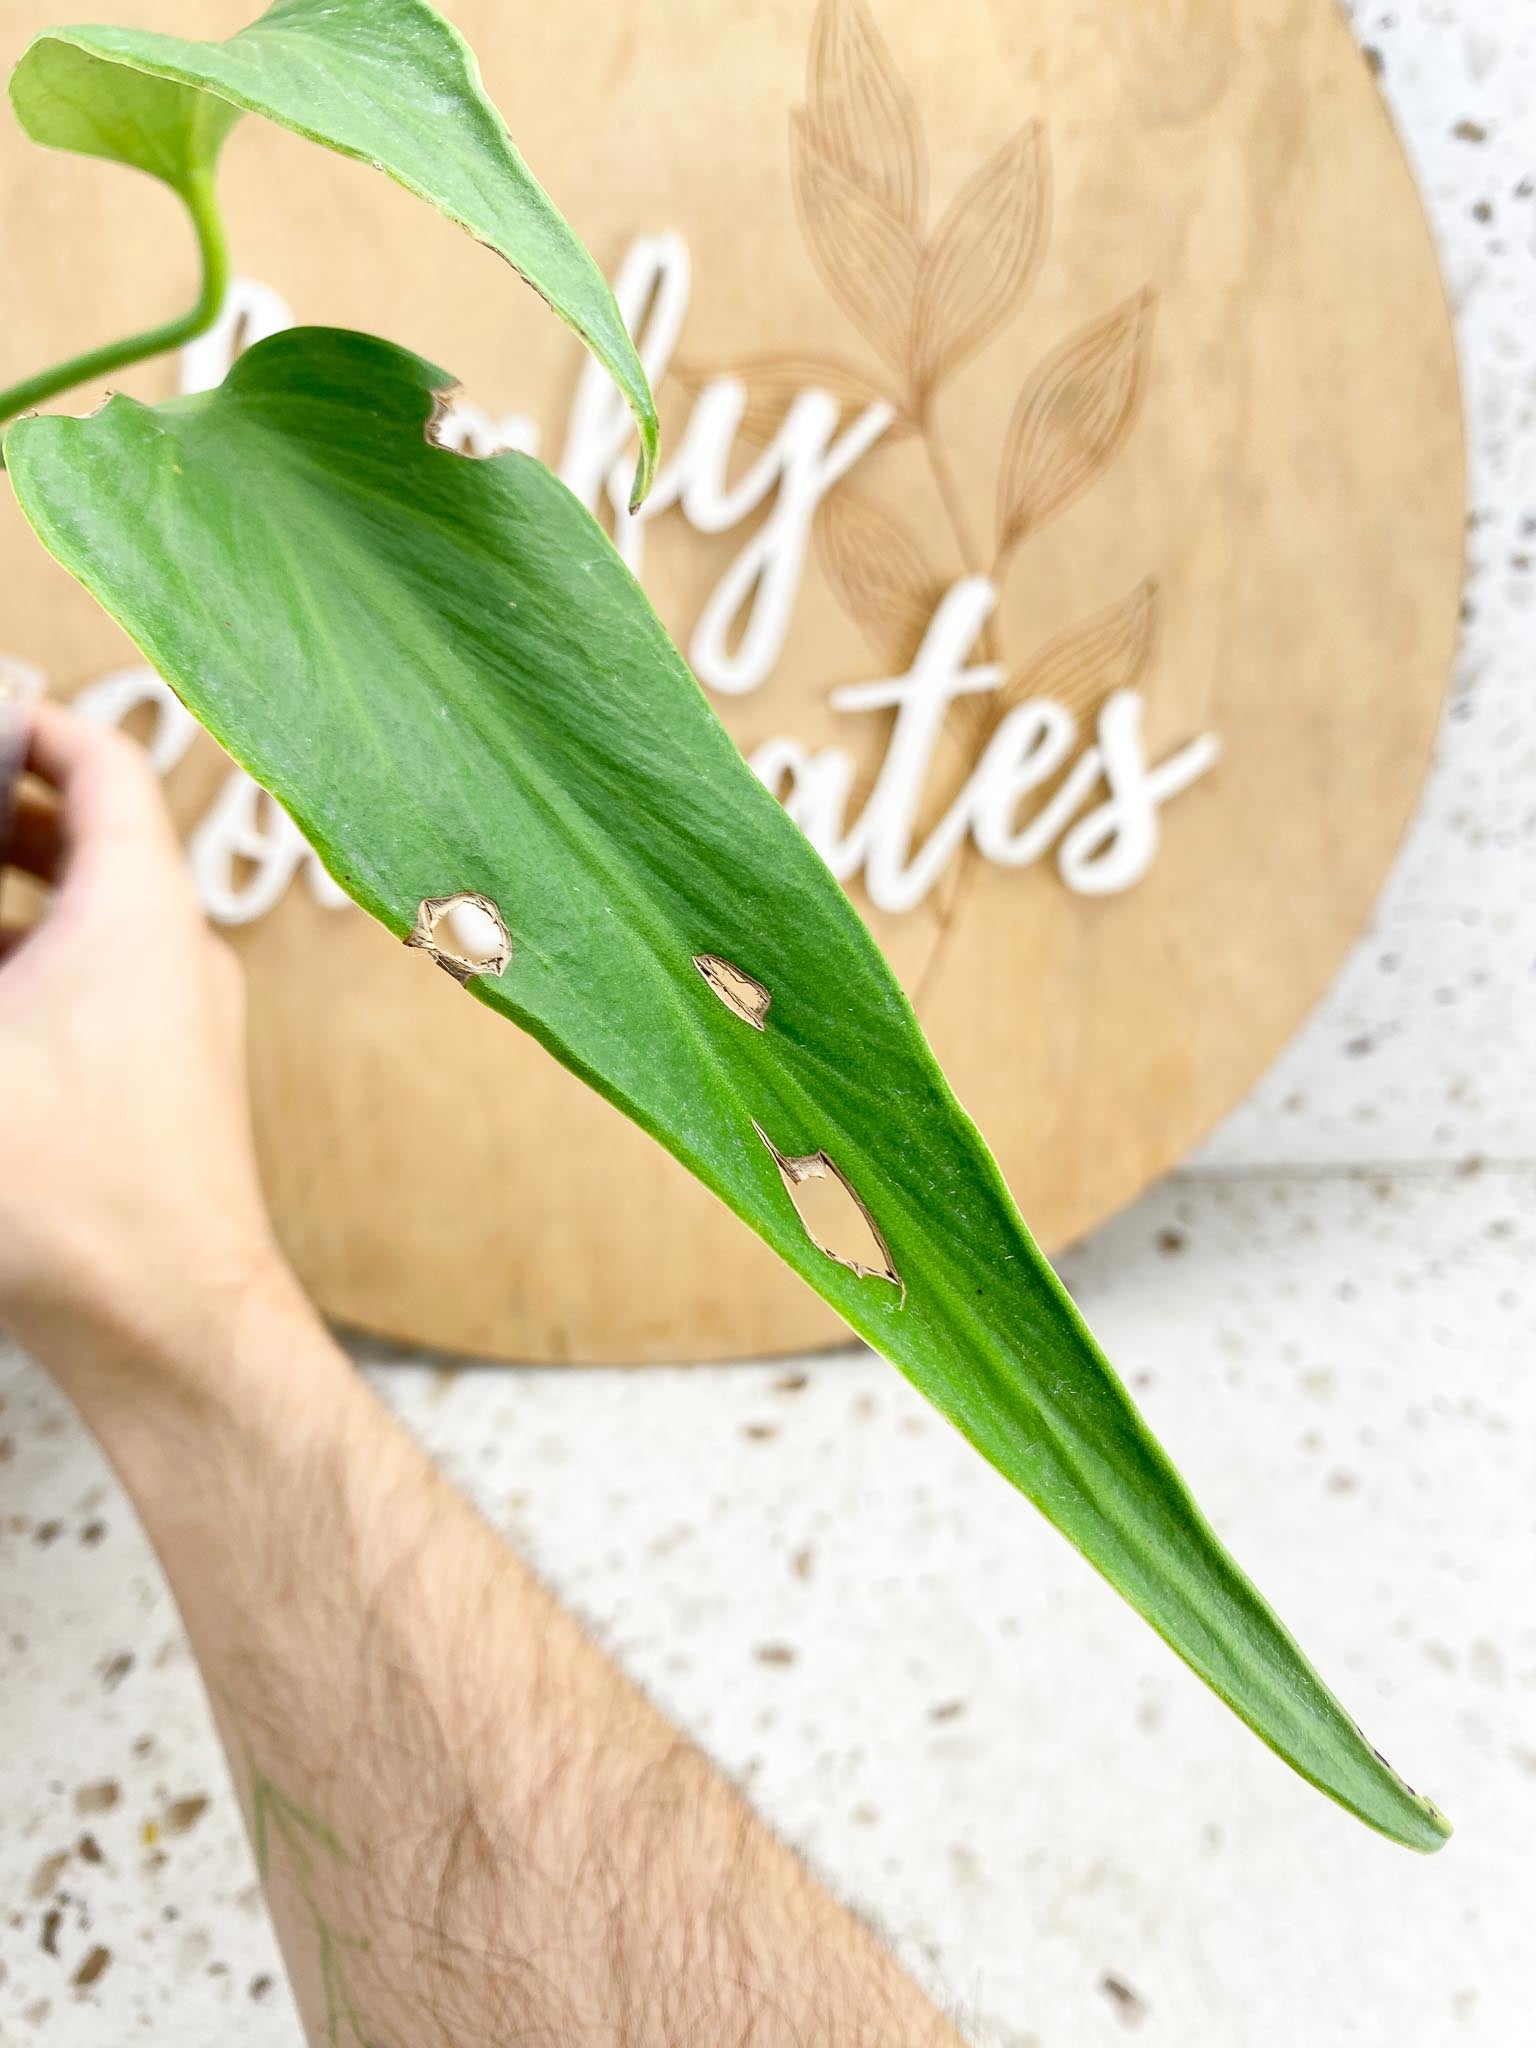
386 81
446 674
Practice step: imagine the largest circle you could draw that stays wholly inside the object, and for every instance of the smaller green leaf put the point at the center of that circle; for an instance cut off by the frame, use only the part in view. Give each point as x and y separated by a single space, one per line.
66 98
388 82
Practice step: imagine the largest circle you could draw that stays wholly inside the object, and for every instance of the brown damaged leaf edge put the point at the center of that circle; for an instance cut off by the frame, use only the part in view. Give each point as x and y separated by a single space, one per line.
743 995
834 1215
487 952
441 417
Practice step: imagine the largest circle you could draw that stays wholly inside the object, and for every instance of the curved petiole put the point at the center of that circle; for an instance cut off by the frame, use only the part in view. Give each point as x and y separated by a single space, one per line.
33 391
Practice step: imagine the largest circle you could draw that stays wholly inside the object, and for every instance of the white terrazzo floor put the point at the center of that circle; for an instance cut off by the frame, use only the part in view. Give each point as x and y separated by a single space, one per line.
916 1679
1329 1316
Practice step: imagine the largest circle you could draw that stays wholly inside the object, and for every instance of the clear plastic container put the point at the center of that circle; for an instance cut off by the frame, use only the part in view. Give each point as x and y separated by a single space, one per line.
19 687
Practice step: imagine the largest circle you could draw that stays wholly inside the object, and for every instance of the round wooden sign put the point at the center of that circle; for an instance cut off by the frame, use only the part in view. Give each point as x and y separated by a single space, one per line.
1062 502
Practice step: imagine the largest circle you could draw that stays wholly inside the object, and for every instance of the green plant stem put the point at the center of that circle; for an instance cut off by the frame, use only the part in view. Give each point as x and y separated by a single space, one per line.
154 341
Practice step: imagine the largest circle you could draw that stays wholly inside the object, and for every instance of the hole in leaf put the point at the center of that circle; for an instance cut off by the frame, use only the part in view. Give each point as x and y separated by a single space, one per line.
833 1215
439 428
445 429
741 995
465 934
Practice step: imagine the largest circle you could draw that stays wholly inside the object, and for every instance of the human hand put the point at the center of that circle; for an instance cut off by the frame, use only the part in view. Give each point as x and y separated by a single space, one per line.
339 1595
130 1205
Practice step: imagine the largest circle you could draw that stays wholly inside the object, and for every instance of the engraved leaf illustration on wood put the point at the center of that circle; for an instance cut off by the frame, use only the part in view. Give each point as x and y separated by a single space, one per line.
878 573
1071 418
1084 666
862 116
772 384
868 257
982 259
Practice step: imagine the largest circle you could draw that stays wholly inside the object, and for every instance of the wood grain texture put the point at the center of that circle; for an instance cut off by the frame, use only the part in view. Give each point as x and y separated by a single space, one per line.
1195 374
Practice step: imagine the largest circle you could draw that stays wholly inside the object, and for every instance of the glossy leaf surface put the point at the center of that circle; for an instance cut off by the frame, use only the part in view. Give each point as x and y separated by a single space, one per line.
449 678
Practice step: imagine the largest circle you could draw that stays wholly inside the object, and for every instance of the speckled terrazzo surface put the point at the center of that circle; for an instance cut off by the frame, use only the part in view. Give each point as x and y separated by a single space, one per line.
1329 1317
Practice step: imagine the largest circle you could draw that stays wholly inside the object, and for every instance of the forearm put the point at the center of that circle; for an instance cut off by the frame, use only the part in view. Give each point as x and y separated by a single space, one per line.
472 1828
